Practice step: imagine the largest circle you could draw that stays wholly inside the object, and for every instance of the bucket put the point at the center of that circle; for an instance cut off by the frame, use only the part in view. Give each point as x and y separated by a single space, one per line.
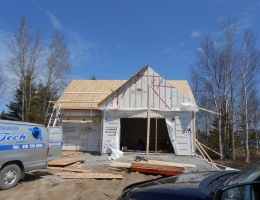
124 148
140 148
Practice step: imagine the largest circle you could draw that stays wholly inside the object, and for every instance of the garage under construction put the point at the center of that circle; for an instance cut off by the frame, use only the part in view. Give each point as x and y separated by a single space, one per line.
100 115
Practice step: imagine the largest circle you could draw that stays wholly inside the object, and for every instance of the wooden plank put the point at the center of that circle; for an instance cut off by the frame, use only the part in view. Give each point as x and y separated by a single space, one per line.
156 162
164 163
71 170
69 153
64 173
127 158
90 175
155 171
65 161
158 167
120 164
210 149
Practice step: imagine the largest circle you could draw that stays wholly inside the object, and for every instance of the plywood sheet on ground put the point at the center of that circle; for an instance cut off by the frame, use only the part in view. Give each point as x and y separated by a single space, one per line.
65 161
73 175
68 169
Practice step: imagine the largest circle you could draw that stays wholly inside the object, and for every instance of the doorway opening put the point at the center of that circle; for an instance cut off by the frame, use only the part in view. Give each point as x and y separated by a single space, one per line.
133 129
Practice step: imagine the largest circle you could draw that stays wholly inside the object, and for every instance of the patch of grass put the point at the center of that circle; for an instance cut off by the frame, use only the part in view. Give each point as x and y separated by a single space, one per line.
240 162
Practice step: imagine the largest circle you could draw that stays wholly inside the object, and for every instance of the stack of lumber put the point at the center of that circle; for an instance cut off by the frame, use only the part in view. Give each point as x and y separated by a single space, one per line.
159 167
65 161
73 175
120 165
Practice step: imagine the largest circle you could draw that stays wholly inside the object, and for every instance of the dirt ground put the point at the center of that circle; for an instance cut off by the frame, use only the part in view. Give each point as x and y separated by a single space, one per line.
42 184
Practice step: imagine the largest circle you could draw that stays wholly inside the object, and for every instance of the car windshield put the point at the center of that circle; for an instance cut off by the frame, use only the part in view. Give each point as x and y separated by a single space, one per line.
219 182
248 175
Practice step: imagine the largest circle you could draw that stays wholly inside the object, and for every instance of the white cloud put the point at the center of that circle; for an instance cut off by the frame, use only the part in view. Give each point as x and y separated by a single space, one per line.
199 49
167 50
195 34
54 20
176 52
83 52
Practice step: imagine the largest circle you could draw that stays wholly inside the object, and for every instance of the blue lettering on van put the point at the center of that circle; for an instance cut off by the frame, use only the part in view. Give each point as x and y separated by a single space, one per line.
6 136
55 144
36 133
9 128
21 146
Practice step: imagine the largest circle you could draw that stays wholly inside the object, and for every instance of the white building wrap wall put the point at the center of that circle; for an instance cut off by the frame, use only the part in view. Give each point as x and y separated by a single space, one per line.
130 101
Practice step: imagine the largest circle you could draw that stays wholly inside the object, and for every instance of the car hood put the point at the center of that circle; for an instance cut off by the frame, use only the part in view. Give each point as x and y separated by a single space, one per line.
185 186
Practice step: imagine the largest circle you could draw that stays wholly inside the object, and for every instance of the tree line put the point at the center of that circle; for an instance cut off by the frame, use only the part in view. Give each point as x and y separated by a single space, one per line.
37 73
225 79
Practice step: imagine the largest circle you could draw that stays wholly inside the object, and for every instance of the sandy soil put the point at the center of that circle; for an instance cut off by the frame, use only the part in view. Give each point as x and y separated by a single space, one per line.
43 184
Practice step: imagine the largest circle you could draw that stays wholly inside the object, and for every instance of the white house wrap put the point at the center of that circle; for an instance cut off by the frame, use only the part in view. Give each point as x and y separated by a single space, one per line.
121 116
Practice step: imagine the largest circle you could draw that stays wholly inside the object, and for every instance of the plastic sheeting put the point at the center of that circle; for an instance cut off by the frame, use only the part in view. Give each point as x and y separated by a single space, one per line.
188 106
115 152
170 123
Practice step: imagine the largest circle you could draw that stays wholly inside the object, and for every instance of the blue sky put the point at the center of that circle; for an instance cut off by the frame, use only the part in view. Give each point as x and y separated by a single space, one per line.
114 39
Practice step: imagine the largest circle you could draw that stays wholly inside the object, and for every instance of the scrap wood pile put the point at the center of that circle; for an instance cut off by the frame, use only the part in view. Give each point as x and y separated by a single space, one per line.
74 171
140 164
67 161
69 153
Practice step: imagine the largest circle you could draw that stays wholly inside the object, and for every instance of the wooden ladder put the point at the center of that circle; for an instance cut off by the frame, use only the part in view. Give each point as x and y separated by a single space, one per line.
55 112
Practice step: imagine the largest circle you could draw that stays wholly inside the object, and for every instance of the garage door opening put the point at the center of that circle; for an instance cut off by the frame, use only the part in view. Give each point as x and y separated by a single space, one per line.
133 129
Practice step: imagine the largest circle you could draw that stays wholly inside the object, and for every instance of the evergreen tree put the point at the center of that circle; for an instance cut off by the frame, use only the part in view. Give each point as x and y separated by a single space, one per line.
14 111
3 116
93 77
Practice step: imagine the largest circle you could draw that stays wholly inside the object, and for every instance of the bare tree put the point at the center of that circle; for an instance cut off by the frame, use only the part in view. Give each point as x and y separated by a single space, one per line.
25 53
208 73
230 31
227 73
250 68
58 68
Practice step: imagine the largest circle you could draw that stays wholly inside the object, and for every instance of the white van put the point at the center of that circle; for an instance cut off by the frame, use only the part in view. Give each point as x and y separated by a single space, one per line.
24 147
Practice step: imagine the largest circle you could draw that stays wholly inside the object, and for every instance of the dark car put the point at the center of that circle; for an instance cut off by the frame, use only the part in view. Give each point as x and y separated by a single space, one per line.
196 185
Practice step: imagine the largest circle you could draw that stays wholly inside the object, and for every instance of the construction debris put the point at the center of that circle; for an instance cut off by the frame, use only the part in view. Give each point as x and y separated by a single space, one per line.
73 175
117 169
138 158
120 165
157 167
140 164
68 169
66 161
69 153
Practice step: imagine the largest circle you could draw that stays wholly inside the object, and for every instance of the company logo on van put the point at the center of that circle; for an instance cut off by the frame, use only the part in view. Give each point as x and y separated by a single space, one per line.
36 133
8 137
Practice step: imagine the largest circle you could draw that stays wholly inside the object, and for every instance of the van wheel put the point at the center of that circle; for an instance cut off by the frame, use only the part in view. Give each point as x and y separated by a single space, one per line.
9 176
